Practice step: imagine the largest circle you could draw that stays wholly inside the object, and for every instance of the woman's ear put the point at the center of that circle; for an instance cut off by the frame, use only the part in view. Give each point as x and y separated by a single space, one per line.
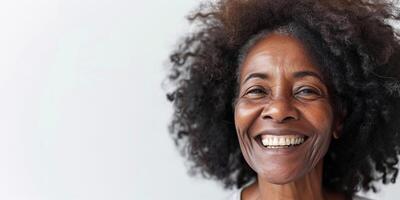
338 124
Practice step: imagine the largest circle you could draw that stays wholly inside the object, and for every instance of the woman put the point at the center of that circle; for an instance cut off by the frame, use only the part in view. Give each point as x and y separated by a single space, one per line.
295 99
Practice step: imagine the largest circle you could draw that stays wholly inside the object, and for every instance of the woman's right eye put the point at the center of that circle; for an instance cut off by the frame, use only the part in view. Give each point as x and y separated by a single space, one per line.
256 92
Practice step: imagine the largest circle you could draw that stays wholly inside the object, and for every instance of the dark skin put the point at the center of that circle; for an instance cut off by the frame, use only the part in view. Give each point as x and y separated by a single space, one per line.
282 92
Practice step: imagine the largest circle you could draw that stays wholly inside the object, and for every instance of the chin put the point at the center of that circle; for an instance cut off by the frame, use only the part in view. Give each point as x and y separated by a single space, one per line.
280 177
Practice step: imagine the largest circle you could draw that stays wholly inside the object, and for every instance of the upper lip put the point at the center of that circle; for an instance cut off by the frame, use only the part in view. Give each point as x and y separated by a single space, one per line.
281 131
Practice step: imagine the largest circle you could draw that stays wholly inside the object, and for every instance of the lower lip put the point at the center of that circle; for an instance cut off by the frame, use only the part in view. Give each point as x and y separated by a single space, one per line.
281 150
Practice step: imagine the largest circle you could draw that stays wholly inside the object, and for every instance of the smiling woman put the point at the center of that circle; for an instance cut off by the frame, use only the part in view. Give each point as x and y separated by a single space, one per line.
283 114
290 99
268 109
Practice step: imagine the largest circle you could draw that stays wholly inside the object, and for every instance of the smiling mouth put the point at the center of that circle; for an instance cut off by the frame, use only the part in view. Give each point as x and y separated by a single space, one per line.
280 141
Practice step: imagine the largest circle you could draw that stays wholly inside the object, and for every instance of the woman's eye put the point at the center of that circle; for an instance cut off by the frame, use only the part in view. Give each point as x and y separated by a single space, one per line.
256 92
308 92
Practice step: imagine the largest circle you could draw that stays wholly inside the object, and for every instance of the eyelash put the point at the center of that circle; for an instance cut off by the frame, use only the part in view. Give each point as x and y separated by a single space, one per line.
310 90
302 89
256 90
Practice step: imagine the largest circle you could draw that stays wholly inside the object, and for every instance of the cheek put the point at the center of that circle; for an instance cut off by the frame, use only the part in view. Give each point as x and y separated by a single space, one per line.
320 117
245 115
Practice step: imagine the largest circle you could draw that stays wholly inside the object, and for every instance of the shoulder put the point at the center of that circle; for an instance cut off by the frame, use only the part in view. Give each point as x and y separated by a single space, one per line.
235 195
356 197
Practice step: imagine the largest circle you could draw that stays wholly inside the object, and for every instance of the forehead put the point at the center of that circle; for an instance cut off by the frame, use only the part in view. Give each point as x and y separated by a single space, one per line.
277 51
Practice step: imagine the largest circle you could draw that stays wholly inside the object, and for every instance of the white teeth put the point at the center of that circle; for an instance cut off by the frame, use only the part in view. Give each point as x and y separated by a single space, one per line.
274 141
287 140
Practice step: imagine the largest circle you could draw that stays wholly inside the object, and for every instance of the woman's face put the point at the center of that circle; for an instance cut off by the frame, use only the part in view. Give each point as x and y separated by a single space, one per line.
283 115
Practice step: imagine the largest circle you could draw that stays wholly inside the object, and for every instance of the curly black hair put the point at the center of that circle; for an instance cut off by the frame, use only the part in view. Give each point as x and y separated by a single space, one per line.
354 43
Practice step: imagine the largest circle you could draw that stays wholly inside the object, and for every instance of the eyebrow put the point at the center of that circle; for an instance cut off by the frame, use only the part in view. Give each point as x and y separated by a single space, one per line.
302 74
297 75
256 75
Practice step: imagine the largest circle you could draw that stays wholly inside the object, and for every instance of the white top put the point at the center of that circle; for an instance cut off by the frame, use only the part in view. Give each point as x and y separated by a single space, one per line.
236 196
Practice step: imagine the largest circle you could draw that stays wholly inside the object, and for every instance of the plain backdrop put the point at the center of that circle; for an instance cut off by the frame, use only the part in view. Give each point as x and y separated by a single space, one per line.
83 115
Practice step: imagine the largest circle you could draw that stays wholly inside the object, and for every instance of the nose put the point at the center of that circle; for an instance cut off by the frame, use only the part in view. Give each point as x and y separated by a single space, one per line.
280 111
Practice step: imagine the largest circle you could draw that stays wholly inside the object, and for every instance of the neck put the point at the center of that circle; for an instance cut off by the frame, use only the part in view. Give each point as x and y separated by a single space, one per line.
308 187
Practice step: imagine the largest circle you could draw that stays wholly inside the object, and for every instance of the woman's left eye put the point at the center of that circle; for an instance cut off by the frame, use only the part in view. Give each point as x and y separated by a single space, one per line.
306 91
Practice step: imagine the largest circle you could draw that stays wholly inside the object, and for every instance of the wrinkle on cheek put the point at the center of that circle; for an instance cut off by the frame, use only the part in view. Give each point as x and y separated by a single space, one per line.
320 116
245 116
322 141
245 145
242 115
320 147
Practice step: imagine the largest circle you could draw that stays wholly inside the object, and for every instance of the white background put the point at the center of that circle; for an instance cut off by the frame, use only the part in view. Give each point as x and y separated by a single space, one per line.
82 112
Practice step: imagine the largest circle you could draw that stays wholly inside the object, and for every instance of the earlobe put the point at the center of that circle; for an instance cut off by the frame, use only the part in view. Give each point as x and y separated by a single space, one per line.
336 134
339 125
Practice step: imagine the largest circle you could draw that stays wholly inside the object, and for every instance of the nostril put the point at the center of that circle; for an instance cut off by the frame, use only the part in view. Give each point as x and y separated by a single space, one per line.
288 118
266 117
279 119
280 115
